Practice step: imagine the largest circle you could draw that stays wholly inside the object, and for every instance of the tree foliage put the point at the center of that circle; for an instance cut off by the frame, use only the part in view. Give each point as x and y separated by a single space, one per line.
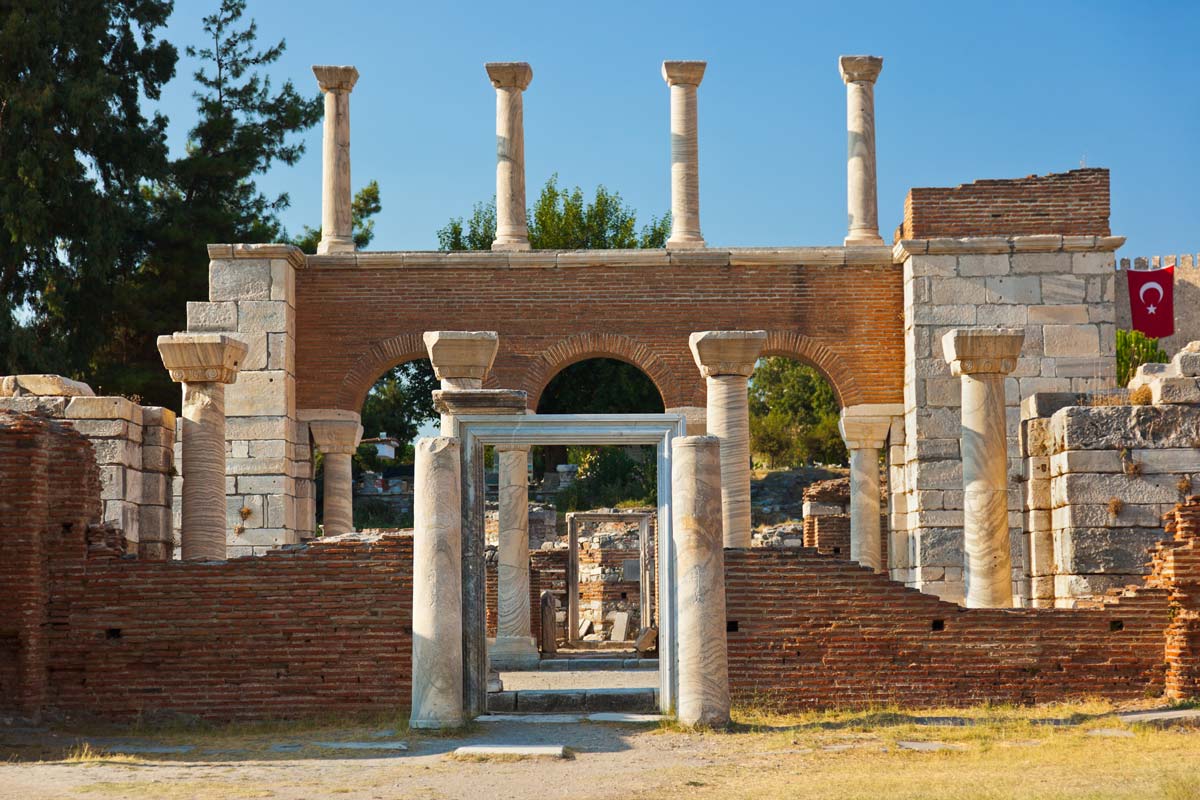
793 415
1135 348
401 401
363 207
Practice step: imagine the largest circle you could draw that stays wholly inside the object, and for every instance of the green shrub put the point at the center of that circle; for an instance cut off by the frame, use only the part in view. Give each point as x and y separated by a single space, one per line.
1135 348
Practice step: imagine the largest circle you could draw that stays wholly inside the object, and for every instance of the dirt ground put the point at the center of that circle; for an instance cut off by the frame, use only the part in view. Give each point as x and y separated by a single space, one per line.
1081 750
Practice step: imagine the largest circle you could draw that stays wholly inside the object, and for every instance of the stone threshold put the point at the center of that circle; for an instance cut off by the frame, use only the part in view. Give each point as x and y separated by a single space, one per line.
544 701
596 664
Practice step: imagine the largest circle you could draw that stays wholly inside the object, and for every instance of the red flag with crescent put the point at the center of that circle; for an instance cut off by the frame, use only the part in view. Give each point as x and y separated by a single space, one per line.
1152 301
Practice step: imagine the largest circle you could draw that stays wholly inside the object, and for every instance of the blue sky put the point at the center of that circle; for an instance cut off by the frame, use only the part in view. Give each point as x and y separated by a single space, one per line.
968 91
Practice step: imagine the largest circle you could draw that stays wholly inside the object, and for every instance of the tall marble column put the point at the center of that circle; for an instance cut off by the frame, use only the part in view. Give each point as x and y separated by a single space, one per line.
510 78
337 434
859 73
337 224
203 363
437 669
726 360
514 646
865 429
982 357
700 581
684 78
461 360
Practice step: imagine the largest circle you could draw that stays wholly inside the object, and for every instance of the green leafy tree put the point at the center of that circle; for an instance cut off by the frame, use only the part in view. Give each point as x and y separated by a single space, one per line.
793 415
401 401
1135 348
210 195
76 151
366 204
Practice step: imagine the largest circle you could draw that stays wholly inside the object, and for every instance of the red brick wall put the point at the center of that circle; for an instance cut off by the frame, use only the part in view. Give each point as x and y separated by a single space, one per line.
323 629
815 631
353 324
1176 567
1074 203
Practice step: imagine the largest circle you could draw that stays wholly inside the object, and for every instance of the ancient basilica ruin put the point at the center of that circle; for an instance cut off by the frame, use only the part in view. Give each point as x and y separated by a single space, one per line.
1038 538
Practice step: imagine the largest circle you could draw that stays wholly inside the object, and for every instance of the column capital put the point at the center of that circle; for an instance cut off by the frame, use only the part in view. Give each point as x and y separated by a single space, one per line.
685 73
335 79
509 74
859 68
508 447
726 352
867 425
463 402
201 357
971 351
461 354
334 430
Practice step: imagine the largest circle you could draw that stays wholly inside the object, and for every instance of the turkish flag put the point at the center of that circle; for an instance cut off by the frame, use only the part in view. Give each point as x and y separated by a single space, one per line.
1152 301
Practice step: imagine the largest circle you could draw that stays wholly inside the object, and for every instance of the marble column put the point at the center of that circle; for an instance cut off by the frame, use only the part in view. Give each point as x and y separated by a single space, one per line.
726 360
337 435
510 78
684 78
337 225
514 646
700 581
982 357
461 360
203 363
437 668
859 73
865 429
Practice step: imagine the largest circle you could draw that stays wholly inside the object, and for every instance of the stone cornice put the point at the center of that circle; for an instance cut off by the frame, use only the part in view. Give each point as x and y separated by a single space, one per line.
985 245
293 254
566 259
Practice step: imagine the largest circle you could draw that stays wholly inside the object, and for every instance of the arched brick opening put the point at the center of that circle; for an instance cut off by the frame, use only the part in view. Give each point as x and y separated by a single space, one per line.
826 361
583 346
381 357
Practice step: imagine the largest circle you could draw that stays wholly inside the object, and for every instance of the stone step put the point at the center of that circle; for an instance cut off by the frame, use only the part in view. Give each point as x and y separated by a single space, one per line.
596 664
544 701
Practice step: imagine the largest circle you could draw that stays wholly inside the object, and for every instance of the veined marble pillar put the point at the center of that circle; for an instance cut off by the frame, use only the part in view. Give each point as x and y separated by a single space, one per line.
982 357
203 363
514 646
337 224
461 360
437 671
700 581
859 73
865 429
684 78
510 79
726 360
337 434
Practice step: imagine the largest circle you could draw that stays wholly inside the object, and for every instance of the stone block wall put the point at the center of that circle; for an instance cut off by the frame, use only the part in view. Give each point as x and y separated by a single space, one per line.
270 497
132 445
1187 297
1060 291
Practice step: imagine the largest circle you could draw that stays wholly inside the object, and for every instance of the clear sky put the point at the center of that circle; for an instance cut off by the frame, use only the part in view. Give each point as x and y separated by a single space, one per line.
968 91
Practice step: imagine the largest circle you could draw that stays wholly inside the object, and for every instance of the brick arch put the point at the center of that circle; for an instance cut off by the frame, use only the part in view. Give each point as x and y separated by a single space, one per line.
583 346
367 368
825 360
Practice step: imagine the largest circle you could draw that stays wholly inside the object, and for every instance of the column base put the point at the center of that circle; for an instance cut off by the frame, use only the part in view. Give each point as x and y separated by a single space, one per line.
686 243
860 239
513 652
511 246
336 244
435 724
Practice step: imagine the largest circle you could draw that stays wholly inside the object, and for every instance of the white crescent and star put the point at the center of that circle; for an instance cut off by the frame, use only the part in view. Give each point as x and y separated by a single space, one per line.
1150 309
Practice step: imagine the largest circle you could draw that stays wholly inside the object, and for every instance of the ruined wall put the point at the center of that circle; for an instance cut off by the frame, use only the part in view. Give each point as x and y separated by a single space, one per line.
812 631
1187 297
547 572
1176 568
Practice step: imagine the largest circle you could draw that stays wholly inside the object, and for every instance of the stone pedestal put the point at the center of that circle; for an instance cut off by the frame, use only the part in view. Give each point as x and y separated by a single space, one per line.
859 73
684 78
203 363
510 79
982 357
865 429
337 223
726 360
514 646
700 581
336 434
461 360
437 672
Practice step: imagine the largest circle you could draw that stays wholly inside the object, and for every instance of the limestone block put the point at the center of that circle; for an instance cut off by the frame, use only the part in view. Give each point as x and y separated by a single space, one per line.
155 488
281 352
1175 391
104 408
984 264
239 279
43 385
1072 340
122 452
1092 366
262 393
957 314
257 466
950 291
47 406
124 515
256 350
1008 316
1059 315
1102 312
112 483
1102 289
265 484
1105 550
158 436
283 281
1092 263
939 546
1025 290
1096 515
921 265
260 427
154 523
265 316
1068 288
1115 427
237 449
267 449
264 537
280 511
1099 488
1033 263
106 428
1084 461
1187 362
211 316
918 290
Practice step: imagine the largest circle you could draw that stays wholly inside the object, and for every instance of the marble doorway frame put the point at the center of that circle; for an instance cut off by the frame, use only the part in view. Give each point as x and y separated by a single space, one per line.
476 431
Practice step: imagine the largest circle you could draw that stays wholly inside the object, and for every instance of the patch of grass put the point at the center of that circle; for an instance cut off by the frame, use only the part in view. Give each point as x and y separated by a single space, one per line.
85 753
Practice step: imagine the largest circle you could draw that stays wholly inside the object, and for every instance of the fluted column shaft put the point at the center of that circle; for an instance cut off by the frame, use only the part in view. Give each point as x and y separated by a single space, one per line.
700 581
729 420
203 509
684 78
437 673
512 594
510 80
859 74
337 223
